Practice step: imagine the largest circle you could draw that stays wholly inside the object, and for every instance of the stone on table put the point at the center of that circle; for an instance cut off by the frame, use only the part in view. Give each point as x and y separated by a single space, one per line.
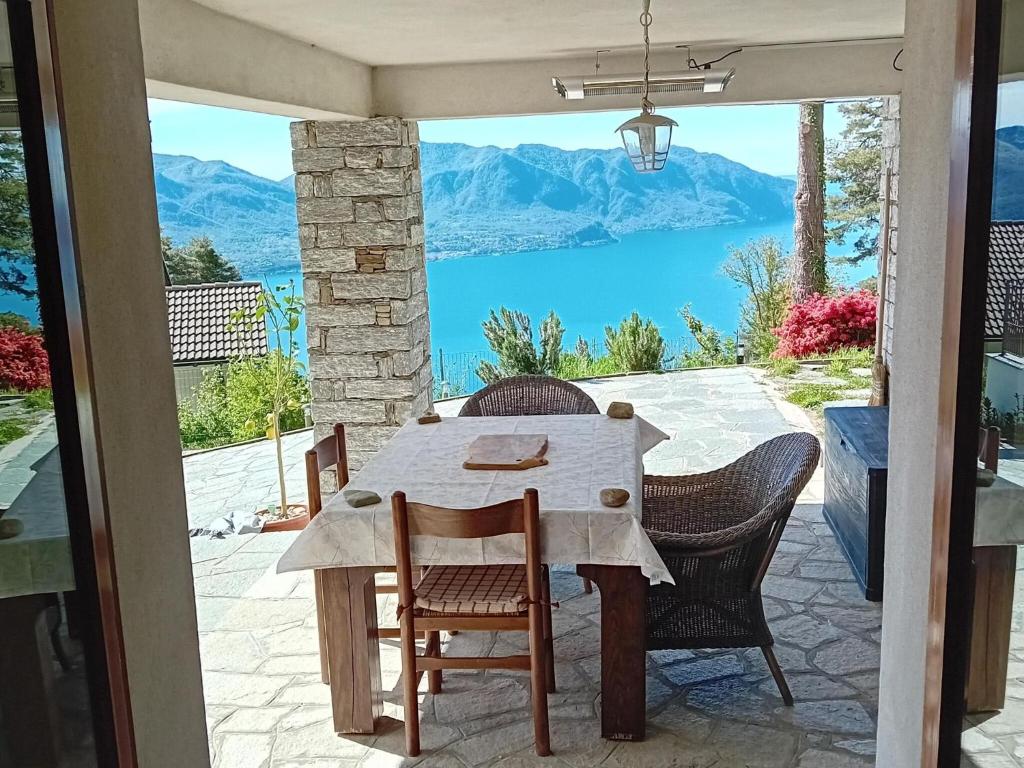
618 410
614 497
11 528
360 498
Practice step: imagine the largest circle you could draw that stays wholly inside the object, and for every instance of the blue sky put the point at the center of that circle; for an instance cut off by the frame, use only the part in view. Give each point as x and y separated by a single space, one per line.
762 137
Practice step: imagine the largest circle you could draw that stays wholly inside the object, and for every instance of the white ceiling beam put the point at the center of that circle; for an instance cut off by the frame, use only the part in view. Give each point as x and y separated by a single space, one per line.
763 74
195 54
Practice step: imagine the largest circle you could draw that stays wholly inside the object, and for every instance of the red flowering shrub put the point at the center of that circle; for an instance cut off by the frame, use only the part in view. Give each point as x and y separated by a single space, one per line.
23 362
823 324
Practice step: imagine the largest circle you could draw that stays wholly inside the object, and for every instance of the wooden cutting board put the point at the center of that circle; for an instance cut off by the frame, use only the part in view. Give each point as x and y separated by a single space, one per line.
511 452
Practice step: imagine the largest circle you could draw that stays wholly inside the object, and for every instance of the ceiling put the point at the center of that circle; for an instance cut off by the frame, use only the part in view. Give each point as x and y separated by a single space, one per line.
386 32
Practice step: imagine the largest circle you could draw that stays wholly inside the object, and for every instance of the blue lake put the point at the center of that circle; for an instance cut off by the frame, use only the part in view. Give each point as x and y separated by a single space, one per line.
654 273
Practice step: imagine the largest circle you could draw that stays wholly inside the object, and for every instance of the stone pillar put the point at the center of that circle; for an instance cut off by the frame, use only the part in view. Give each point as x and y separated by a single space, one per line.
890 161
360 211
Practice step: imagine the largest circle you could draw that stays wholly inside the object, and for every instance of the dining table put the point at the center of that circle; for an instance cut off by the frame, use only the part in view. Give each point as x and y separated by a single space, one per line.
585 454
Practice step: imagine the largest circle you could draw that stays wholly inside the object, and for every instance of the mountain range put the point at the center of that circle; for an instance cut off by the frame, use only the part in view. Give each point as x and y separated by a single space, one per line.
1008 187
481 200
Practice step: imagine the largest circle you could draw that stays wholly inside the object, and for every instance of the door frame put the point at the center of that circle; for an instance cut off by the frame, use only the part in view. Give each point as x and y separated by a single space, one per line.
960 387
62 313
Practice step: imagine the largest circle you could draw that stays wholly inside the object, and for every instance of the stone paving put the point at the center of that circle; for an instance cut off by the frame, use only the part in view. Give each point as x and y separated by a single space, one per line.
266 705
243 478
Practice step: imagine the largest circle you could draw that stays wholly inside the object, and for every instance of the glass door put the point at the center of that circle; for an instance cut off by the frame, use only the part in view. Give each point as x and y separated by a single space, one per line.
62 699
982 710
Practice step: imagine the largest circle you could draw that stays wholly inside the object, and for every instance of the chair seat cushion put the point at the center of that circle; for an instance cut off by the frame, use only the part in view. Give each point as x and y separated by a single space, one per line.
457 590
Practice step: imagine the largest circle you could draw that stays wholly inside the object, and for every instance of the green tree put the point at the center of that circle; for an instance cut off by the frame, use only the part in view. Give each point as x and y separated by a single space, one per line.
636 345
855 164
761 268
197 262
16 252
509 334
281 309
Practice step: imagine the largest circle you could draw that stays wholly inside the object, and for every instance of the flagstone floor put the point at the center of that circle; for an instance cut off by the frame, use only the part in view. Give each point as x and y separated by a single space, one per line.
267 707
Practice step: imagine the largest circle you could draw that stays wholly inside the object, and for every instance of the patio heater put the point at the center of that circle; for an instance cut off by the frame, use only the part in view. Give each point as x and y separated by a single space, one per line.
647 137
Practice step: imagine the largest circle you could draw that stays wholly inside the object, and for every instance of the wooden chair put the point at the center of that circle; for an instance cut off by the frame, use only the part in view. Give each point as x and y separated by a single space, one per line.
485 598
531 395
331 453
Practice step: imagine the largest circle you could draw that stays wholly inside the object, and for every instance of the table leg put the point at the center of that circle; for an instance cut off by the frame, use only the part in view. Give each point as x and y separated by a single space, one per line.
623 649
349 603
994 570
28 702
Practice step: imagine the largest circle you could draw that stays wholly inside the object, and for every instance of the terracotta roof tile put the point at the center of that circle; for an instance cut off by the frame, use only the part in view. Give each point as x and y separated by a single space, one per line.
198 316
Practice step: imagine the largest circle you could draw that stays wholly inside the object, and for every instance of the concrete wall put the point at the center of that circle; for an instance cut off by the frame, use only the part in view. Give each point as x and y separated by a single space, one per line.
133 410
781 73
1004 382
195 54
910 680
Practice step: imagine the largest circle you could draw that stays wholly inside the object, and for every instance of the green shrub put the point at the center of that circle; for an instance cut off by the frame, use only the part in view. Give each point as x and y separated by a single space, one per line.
39 400
571 365
814 395
509 334
712 347
233 404
11 430
636 345
782 366
14 320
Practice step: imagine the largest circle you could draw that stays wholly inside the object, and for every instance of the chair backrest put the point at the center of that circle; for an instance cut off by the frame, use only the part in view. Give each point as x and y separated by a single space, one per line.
509 517
988 447
529 396
329 453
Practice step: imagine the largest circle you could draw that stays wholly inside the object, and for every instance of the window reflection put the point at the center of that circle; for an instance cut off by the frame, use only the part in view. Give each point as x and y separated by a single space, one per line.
45 715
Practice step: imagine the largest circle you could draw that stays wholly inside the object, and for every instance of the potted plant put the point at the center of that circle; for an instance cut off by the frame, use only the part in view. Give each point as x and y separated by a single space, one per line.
280 308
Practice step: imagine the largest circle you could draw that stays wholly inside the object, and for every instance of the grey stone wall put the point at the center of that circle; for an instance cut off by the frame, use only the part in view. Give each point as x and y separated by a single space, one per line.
890 160
360 211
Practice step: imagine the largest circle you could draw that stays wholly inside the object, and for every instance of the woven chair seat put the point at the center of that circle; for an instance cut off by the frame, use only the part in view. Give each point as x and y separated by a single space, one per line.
472 590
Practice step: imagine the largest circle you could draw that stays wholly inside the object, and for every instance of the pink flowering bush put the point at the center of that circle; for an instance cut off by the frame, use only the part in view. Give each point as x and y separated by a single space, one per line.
23 363
823 324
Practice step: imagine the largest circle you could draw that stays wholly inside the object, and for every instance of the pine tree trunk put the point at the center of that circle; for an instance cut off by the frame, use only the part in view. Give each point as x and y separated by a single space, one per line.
809 205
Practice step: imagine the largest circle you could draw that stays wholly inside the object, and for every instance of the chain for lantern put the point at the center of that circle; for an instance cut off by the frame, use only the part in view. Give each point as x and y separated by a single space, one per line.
645 21
647 138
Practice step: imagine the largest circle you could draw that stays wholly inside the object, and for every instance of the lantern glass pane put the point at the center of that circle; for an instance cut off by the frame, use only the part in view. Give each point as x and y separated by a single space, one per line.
647 146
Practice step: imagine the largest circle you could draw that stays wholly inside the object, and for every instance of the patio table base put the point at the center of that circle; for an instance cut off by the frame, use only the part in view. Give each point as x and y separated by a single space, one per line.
350 613
623 649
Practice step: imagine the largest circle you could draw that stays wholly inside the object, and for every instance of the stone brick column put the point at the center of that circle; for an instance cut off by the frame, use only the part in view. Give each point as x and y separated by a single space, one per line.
890 161
360 211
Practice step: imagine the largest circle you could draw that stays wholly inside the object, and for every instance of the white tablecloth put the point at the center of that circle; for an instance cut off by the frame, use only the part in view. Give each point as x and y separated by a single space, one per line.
38 560
999 514
585 454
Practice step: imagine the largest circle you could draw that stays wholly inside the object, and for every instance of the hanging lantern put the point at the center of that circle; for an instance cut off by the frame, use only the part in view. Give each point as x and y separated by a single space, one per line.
647 137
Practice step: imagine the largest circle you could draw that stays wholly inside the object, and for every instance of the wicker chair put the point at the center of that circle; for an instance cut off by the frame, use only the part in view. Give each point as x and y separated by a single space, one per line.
717 533
531 396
